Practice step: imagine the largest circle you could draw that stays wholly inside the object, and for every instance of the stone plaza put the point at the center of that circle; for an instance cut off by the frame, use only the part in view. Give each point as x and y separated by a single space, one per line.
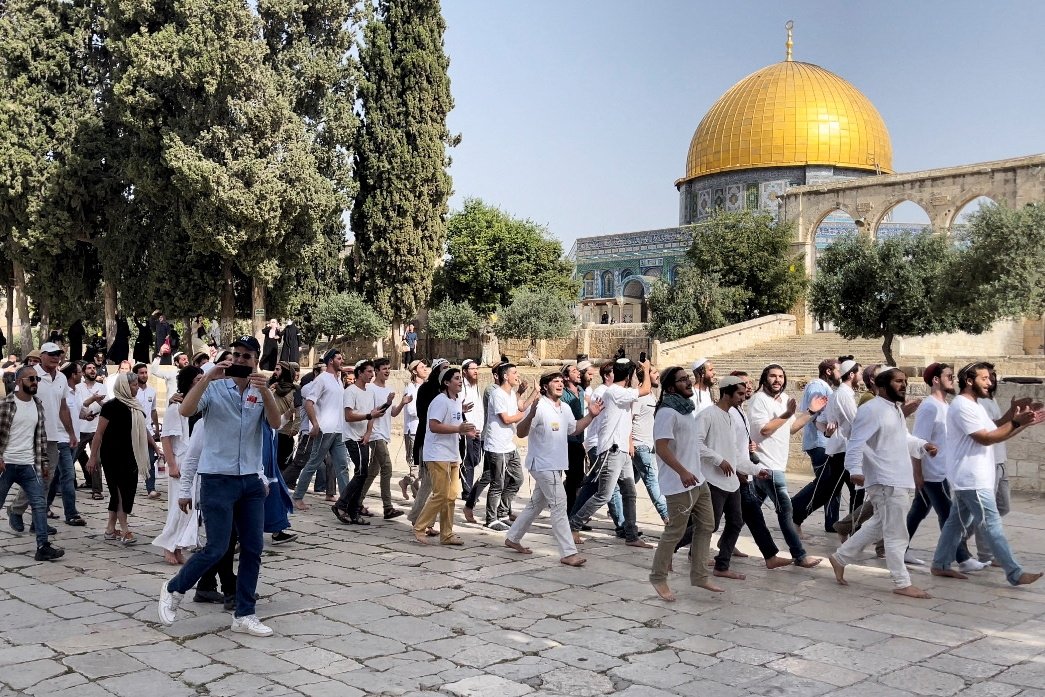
367 611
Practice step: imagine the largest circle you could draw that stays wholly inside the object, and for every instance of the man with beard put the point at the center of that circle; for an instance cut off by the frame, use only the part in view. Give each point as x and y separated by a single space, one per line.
703 379
91 394
878 457
971 470
642 443
23 454
472 448
814 440
146 396
772 421
932 492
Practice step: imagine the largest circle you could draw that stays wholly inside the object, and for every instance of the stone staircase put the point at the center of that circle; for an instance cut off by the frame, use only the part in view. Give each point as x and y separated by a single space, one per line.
800 355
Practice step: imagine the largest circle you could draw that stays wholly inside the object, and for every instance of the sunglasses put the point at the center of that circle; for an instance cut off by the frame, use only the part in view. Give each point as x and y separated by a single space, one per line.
243 356
53 354
32 378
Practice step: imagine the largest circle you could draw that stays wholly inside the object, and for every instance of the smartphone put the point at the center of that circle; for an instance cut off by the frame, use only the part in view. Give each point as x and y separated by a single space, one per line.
642 357
239 371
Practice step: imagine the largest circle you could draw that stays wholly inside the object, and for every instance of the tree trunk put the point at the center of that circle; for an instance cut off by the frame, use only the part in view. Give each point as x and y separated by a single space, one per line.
45 321
10 328
25 330
397 355
257 310
109 299
887 349
228 306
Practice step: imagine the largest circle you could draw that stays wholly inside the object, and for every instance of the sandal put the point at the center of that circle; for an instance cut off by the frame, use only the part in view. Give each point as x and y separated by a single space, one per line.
454 541
128 538
358 521
363 511
342 515
51 515
113 536
97 497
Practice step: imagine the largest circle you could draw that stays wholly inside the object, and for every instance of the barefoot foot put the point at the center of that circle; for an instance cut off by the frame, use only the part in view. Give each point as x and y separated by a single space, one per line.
809 562
912 592
740 555
729 574
420 537
639 543
577 539
949 573
664 592
1027 579
300 505
517 547
171 558
573 560
469 515
839 569
777 562
708 585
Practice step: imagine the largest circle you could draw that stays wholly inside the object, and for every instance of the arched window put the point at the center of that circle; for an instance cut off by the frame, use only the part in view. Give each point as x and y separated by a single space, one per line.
625 274
589 285
608 286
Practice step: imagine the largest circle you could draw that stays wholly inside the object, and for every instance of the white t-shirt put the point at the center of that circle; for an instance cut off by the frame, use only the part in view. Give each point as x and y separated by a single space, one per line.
51 392
701 400
772 450
21 441
615 419
1001 450
546 446
382 424
442 447
360 402
410 419
499 437
969 464
682 430
328 394
84 393
471 393
147 398
930 424
642 420
591 434
74 404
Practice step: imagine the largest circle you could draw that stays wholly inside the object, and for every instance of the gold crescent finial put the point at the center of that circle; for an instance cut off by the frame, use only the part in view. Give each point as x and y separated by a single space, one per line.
789 26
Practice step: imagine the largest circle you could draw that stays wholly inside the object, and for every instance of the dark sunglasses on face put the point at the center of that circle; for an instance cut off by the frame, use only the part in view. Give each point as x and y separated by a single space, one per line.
32 378
243 356
53 354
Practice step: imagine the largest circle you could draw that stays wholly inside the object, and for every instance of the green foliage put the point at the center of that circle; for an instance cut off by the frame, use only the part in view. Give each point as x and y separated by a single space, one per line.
452 320
535 314
347 316
750 253
491 254
881 289
692 304
1001 265
399 214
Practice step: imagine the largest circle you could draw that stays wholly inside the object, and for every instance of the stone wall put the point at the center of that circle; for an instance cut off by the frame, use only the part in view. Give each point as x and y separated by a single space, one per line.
724 340
1026 452
1005 338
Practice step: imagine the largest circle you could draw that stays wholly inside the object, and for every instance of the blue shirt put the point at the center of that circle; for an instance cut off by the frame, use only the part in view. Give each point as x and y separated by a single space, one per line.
234 435
812 438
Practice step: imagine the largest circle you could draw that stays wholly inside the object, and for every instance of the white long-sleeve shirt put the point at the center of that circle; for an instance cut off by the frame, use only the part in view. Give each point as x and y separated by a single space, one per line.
880 448
718 444
840 410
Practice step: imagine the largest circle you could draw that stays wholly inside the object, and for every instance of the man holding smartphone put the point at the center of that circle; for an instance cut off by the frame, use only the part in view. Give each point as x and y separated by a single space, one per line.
233 486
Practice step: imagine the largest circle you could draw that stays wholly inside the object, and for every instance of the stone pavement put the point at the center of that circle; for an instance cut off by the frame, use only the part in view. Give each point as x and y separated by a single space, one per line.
367 611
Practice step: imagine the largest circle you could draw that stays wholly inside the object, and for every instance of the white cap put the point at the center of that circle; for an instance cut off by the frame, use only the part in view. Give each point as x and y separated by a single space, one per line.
583 365
51 347
698 363
846 366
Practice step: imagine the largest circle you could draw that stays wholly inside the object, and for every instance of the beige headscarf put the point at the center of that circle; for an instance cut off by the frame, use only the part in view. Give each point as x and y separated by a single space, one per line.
139 434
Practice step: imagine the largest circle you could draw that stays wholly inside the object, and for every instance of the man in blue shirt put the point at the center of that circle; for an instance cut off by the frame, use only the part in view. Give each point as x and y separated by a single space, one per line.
232 482
814 441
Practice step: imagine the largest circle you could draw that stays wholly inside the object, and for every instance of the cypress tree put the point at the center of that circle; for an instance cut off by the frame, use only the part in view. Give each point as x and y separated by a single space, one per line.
399 215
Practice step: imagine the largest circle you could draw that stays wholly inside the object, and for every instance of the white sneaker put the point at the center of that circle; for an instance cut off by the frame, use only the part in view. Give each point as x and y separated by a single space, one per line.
168 605
250 625
909 558
498 526
971 564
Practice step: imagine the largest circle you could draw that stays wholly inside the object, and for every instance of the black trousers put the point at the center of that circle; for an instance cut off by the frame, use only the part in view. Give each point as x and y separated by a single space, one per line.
223 570
575 474
728 503
825 486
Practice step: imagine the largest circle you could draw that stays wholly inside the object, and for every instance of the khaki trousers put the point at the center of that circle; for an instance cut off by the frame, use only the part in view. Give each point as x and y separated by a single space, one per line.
693 504
446 487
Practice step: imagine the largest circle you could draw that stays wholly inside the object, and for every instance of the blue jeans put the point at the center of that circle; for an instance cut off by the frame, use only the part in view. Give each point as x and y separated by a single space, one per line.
227 500
646 470
776 490
934 496
607 473
27 477
150 481
972 507
65 477
328 442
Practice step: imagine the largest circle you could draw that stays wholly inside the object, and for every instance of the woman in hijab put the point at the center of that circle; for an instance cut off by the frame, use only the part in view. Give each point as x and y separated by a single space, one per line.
122 444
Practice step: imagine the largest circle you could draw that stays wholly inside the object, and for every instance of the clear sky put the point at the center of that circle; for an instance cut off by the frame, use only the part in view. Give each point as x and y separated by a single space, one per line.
578 115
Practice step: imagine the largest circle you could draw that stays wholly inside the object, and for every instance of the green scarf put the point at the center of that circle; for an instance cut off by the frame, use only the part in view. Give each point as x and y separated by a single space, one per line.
677 402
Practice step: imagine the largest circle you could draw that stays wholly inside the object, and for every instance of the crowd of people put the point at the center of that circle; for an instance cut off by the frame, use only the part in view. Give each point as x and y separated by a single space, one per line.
241 449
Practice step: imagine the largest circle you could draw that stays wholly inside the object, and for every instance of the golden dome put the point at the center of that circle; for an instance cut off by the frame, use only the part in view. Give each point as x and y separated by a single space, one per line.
790 114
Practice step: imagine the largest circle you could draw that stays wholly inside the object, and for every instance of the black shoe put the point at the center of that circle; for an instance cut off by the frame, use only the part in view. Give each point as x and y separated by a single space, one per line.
585 528
207 597
76 522
283 536
394 513
51 530
16 522
230 601
46 552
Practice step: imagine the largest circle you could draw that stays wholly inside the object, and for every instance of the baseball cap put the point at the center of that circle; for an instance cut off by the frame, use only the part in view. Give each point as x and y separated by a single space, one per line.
247 342
51 347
